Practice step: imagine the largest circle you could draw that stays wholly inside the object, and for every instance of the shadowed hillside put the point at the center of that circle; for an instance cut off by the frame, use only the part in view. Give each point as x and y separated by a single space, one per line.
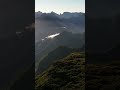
103 77
53 56
16 52
65 74
67 39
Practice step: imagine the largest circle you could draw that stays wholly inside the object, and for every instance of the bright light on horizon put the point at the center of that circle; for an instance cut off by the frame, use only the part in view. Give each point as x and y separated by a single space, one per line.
60 6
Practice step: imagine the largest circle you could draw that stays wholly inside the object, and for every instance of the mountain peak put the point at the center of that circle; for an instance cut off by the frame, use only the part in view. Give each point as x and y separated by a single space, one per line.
65 15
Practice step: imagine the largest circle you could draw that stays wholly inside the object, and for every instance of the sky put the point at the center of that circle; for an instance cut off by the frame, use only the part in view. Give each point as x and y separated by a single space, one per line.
60 6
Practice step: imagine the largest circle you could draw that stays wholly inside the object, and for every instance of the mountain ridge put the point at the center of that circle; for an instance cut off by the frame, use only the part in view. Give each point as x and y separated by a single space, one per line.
58 53
50 23
65 74
61 15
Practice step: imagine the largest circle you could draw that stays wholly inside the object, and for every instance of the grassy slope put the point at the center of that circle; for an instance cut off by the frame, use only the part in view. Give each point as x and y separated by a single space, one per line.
53 56
71 73
67 73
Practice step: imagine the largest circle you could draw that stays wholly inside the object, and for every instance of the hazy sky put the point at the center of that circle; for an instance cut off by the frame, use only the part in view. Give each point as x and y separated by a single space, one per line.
60 6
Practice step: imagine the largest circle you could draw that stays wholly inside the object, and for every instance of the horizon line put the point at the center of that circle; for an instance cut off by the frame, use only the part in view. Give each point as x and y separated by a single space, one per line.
61 12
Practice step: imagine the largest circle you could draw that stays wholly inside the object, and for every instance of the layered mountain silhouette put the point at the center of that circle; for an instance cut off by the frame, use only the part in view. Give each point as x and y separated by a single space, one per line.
51 23
68 39
69 29
65 15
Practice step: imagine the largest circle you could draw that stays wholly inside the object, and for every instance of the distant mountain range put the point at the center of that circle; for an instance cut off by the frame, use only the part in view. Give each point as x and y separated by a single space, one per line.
51 23
68 29
65 15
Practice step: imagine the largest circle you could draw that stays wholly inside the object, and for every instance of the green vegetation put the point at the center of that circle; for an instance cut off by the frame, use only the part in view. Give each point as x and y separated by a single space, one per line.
53 56
71 73
65 74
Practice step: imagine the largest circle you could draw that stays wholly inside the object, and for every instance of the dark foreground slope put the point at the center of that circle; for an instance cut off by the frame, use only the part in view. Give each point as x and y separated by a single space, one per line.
103 77
15 53
71 74
25 80
23 65
65 74
108 56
